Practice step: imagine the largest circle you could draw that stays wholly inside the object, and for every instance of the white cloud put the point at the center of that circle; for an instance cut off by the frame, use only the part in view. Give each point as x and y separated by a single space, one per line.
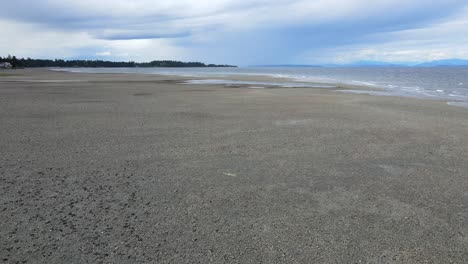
443 40
25 39
146 49
104 53
29 40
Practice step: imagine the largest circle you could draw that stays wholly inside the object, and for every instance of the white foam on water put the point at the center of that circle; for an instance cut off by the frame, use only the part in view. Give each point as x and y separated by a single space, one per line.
365 83
427 94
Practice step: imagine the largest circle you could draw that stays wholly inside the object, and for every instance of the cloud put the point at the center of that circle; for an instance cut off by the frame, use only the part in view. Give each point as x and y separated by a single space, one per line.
128 35
436 41
241 32
29 40
104 53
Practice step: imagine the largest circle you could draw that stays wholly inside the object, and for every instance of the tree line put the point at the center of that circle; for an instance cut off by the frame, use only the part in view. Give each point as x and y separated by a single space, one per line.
33 63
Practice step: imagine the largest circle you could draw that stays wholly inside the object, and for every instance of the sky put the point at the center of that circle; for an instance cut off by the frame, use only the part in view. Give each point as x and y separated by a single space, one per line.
240 32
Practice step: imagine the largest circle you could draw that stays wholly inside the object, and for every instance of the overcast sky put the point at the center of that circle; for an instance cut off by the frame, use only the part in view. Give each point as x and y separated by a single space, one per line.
241 32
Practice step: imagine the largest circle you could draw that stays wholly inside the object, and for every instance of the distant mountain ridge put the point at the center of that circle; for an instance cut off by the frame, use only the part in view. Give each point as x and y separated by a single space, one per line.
436 63
446 63
366 63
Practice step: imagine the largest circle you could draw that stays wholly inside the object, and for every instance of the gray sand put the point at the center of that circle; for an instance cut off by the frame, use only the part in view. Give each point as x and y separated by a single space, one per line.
115 168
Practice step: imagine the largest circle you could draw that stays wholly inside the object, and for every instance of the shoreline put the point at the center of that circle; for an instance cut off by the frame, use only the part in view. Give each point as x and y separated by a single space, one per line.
274 81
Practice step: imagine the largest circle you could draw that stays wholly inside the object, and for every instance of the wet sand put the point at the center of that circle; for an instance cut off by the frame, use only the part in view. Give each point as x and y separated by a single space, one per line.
122 168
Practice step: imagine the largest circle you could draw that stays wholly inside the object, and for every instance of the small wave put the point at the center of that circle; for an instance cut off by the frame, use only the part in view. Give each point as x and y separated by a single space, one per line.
428 94
313 79
364 83
410 88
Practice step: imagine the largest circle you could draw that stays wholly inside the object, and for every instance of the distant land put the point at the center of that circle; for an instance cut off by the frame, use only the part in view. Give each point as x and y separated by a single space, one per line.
32 63
446 63
437 63
372 64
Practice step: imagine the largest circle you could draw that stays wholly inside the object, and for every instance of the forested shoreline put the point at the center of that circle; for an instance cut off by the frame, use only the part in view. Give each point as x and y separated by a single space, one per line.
35 63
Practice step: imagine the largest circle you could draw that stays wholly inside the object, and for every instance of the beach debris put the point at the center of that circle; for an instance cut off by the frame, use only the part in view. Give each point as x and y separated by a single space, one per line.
230 174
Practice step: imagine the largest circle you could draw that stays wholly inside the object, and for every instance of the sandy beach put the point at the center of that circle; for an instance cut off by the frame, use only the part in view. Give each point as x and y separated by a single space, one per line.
127 168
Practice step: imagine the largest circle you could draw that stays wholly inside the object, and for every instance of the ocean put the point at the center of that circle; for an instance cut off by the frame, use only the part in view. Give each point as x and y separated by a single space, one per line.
439 83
